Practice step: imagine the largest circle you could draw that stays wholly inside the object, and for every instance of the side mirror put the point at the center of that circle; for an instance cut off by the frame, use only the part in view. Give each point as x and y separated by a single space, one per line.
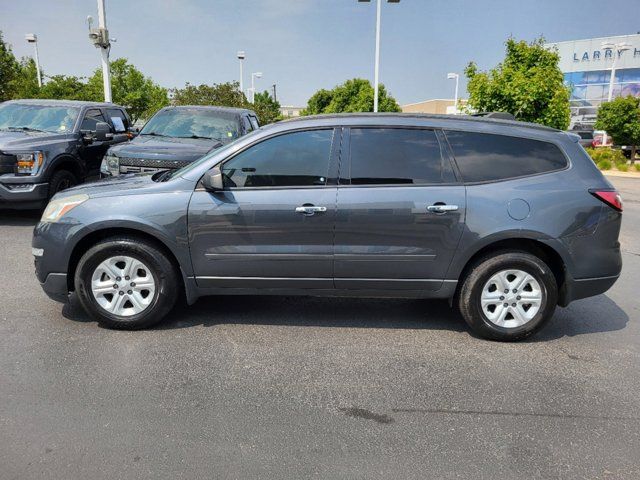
102 131
212 180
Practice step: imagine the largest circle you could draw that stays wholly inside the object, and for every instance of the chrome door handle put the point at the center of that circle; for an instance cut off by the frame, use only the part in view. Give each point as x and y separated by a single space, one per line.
442 208
310 209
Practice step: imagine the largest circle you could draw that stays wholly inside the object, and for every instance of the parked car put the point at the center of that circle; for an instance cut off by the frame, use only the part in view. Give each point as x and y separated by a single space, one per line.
176 136
49 145
505 219
586 137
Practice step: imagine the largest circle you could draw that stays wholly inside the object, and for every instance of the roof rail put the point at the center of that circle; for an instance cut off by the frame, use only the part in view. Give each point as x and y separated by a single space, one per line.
499 115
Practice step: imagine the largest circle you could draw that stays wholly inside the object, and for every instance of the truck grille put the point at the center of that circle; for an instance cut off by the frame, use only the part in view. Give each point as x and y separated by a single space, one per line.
146 163
7 163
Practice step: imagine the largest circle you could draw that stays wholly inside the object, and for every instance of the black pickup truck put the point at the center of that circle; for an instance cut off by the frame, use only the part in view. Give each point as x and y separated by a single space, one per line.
176 136
49 145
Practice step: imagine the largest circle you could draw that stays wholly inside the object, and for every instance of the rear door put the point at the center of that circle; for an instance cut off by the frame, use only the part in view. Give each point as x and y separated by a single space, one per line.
401 210
272 226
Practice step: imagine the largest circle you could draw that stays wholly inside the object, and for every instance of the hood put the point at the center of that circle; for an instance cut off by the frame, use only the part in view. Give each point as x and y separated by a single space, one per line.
25 140
129 184
165 148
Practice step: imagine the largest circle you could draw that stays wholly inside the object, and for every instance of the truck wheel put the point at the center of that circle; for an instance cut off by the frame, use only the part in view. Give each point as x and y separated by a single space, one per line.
126 283
508 296
61 180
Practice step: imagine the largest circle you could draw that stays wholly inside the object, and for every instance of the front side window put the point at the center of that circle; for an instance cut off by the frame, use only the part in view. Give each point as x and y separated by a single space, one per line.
118 119
91 119
194 123
483 157
298 159
44 118
254 122
395 156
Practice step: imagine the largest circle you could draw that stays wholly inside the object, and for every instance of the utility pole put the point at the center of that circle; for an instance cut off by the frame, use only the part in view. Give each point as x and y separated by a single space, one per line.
241 57
100 39
275 98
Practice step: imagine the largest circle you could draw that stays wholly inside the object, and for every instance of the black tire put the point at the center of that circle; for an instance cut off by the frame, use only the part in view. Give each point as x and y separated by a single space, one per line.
163 272
61 180
469 297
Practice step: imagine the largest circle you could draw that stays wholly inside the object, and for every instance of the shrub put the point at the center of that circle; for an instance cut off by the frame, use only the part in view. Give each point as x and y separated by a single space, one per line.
604 165
623 167
637 166
614 157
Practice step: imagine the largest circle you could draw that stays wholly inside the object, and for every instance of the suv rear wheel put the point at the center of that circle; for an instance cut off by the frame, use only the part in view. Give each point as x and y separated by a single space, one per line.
508 296
126 283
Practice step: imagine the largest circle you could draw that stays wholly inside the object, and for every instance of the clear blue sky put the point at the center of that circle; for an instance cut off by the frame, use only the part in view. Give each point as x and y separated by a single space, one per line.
304 45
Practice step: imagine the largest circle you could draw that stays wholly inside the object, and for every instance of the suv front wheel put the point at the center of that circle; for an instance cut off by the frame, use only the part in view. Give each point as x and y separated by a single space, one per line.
126 283
508 296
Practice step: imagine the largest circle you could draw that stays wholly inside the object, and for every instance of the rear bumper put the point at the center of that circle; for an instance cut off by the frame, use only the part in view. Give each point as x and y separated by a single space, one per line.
55 286
575 289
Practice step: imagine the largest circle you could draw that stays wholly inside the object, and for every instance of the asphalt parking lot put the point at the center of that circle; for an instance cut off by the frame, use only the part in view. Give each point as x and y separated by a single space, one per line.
272 387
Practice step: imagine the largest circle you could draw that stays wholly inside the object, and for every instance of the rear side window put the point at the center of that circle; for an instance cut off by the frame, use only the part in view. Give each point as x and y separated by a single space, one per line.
483 157
396 156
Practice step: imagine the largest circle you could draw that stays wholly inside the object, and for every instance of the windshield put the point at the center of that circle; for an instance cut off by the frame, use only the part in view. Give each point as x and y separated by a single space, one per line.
193 123
44 118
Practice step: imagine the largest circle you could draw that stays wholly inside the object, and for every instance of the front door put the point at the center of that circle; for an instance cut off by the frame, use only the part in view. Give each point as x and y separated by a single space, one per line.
92 153
272 226
400 211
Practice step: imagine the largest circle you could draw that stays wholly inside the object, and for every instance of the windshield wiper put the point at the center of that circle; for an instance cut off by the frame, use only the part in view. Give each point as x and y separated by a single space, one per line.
26 129
154 134
198 136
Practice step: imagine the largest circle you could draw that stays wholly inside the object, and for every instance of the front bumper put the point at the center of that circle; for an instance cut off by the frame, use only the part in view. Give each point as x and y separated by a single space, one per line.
55 286
23 195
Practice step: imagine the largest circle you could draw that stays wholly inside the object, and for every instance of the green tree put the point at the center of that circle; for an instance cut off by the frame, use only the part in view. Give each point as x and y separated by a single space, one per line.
354 95
267 109
226 94
25 85
63 87
528 84
9 71
621 119
129 88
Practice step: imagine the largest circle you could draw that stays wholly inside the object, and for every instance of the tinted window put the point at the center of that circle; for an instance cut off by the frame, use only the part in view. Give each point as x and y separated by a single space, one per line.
293 159
118 119
247 124
91 118
254 122
485 157
395 156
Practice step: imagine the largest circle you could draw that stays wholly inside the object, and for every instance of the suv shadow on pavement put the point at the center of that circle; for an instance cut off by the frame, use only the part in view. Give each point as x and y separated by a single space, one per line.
19 218
595 315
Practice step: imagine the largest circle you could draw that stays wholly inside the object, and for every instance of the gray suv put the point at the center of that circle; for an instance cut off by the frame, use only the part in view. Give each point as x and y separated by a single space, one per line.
505 219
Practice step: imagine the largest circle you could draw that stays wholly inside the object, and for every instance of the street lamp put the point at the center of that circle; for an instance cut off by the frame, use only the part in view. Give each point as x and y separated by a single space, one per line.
253 88
617 48
455 76
377 61
33 38
241 57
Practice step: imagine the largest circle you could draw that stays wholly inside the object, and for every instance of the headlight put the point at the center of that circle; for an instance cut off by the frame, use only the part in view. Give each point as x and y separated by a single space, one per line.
58 208
110 165
29 163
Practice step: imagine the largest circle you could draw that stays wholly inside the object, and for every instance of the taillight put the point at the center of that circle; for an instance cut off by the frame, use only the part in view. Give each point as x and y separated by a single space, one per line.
610 197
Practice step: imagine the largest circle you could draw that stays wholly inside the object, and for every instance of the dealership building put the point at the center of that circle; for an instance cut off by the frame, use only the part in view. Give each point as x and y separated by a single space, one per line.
587 65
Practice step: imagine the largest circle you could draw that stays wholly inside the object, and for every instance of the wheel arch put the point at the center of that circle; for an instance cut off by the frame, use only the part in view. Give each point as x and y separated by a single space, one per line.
535 246
67 162
95 236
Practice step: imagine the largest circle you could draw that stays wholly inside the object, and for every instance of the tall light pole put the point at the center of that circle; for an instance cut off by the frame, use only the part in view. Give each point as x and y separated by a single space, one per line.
33 38
617 48
241 57
100 39
253 87
455 76
377 60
